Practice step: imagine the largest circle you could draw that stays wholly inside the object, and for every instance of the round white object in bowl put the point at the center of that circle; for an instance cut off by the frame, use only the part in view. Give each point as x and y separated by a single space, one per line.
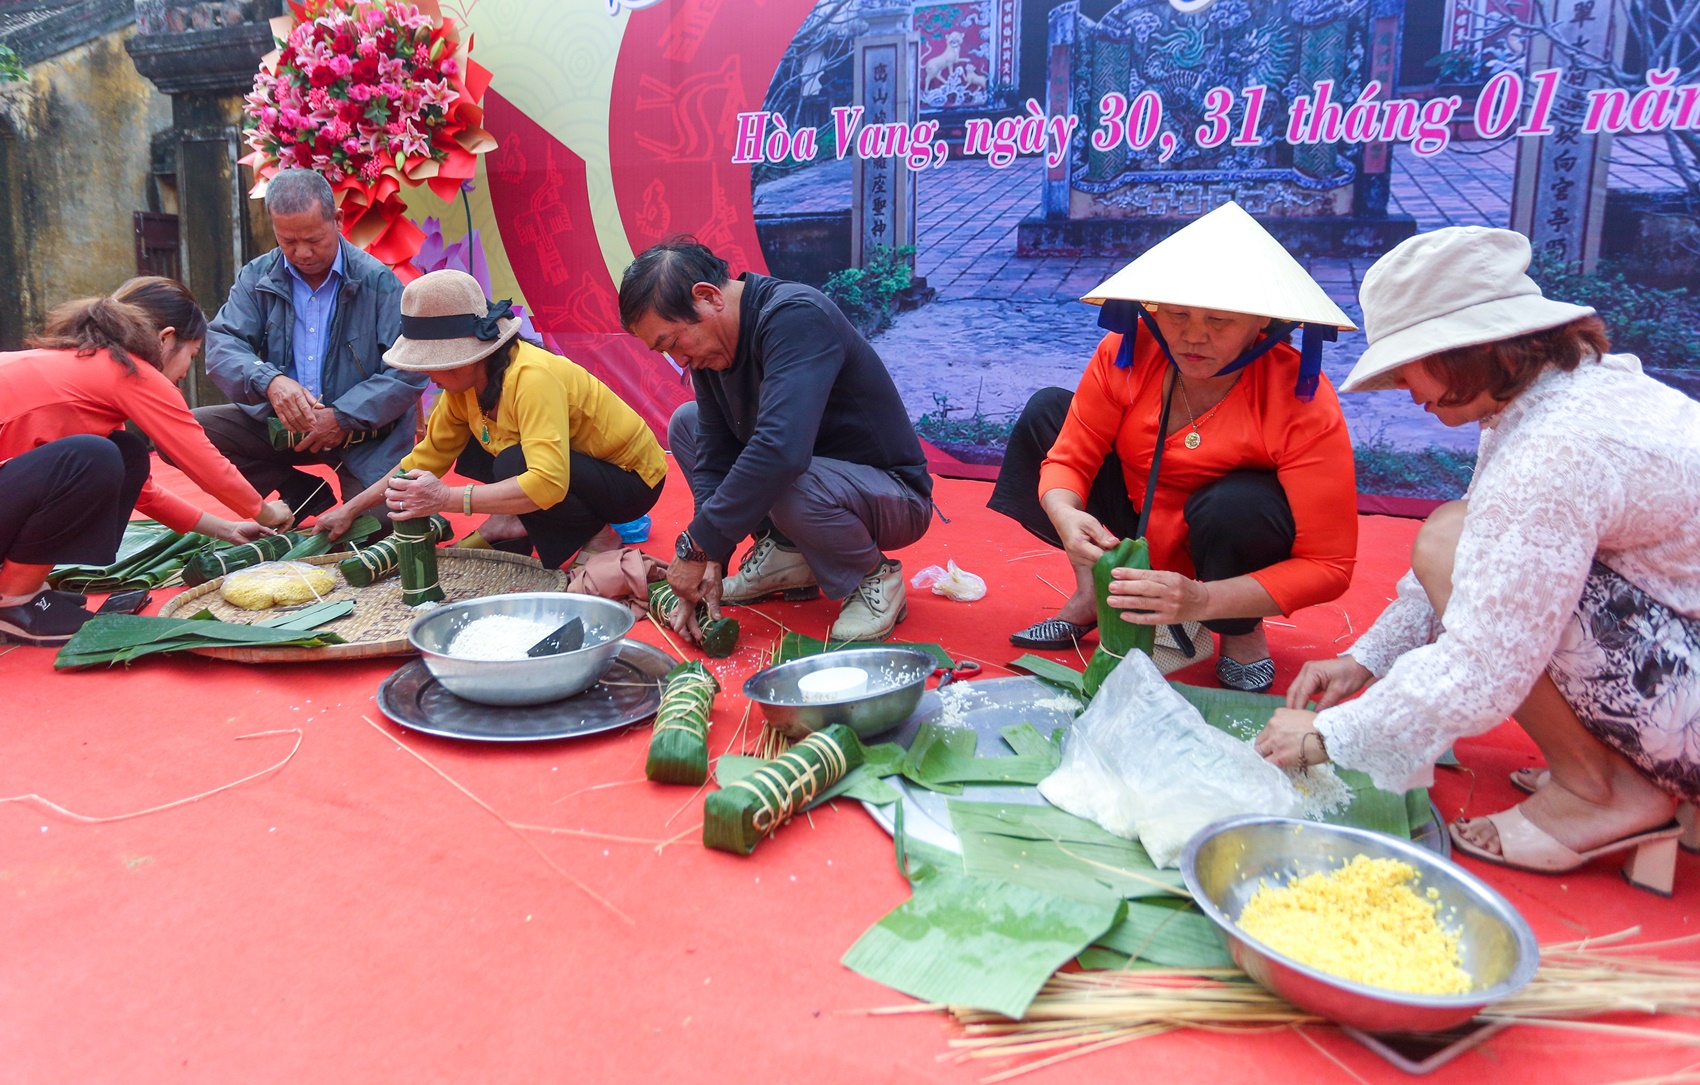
833 684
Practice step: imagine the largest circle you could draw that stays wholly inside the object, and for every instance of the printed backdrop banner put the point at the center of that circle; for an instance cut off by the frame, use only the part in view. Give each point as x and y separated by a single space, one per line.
957 174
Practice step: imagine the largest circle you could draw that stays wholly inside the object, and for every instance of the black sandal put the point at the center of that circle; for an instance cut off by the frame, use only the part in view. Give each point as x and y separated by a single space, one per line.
1053 634
1254 677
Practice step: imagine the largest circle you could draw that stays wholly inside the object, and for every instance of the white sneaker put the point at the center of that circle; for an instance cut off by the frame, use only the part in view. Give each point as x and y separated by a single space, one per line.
770 569
873 610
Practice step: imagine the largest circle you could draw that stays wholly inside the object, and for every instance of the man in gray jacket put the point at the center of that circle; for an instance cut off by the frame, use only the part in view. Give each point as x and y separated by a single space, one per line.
298 347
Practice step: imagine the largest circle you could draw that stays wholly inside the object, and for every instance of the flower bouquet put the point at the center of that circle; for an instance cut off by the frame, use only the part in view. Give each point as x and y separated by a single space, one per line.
373 95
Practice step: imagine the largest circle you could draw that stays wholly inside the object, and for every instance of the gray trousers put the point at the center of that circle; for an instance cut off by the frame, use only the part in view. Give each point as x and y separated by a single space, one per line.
245 443
839 515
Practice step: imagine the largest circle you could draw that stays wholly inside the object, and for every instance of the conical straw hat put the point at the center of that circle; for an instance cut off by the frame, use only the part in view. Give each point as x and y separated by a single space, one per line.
1225 261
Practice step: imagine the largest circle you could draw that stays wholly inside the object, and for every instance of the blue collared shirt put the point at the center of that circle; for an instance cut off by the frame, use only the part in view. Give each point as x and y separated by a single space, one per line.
313 312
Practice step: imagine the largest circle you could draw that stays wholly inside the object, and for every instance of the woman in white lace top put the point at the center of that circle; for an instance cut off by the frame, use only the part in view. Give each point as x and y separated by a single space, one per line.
1563 590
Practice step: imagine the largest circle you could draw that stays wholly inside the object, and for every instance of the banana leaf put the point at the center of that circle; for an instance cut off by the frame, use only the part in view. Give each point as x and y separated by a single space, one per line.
310 617
796 646
1049 670
149 555
942 759
121 638
1045 848
975 942
1173 933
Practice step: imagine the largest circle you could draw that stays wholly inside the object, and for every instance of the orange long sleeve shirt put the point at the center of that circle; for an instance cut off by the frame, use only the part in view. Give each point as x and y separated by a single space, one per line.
1261 425
49 394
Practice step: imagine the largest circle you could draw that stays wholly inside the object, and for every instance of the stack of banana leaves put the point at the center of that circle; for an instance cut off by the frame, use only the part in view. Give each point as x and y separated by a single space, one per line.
149 556
152 555
123 638
1035 888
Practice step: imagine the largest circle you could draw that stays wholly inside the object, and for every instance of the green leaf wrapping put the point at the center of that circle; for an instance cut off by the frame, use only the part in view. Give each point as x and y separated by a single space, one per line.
212 564
416 558
1116 638
737 817
678 746
373 563
719 635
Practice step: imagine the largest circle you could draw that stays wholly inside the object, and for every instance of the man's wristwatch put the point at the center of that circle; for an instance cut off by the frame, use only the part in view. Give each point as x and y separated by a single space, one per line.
687 548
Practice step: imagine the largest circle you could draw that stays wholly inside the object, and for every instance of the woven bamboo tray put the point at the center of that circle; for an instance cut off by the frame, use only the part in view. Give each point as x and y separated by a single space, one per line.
378 625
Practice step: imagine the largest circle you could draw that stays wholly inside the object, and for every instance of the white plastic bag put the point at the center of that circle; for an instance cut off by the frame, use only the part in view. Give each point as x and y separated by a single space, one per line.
1141 761
954 582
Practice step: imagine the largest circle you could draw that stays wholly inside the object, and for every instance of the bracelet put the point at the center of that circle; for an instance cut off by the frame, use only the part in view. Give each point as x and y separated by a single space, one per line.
1321 742
466 500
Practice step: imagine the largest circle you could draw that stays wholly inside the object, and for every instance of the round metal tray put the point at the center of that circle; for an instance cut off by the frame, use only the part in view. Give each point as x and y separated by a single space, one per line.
998 703
628 693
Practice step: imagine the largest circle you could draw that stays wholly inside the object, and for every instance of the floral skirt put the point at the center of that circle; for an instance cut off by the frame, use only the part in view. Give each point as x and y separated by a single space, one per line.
1630 668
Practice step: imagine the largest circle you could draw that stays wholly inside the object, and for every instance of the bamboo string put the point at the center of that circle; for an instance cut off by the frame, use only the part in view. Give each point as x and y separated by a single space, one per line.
598 787
588 834
1327 1054
86 819
676 652
686 804
670 841
1052 586
510 826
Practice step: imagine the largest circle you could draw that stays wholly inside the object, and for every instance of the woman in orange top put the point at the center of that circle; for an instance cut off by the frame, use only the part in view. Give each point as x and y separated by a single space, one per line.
1253 511
70 474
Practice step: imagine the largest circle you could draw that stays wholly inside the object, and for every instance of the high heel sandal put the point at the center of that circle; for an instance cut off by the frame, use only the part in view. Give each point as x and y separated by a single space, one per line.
1523 845
1530 780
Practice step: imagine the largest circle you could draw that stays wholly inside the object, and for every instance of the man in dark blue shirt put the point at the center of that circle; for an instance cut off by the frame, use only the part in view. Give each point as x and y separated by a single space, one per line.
797 436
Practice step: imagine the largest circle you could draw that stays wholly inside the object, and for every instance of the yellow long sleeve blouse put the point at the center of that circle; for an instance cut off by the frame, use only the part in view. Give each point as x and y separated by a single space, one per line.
548 406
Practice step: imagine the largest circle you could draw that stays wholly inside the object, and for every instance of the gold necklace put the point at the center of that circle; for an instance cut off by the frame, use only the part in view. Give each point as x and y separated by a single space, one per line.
1193 439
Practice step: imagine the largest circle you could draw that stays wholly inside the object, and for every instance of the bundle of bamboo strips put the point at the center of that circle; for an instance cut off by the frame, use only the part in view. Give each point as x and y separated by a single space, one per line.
1080 1012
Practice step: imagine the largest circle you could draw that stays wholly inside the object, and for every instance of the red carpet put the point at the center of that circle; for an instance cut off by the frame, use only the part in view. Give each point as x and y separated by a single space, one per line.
353 917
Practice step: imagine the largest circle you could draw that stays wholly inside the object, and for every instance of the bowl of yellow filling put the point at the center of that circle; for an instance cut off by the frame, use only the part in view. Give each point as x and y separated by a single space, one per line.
1356 926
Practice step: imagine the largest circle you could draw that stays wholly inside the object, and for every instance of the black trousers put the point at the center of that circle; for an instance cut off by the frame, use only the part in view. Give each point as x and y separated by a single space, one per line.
66 502
1236 525
598 494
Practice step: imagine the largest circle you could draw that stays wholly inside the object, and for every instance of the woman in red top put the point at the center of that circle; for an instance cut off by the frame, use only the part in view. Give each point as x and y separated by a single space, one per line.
1254 509
70 474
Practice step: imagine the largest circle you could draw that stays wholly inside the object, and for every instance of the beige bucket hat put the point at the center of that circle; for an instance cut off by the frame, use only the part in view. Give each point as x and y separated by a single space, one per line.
1457 287
1224 260
446 322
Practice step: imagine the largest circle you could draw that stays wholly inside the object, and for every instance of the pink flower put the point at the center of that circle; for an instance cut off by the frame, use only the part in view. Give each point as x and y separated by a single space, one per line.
389 90
351 145
360 92
341 65
368 47
371 169
449 67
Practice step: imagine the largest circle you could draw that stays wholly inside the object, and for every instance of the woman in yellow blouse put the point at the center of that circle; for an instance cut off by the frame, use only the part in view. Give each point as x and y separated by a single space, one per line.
545 441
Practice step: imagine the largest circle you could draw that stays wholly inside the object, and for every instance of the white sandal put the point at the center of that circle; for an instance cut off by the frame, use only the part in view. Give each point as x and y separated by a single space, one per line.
1523 845
1685 812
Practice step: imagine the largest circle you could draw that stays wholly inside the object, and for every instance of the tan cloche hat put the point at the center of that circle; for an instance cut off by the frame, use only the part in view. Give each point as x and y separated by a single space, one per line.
1225 261
446 322
1457 287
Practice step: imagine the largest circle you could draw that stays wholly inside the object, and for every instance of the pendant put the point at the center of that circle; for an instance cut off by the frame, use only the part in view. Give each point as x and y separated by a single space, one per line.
1193 440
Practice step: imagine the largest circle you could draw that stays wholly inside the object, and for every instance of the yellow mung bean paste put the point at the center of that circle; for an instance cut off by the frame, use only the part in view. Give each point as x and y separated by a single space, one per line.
1362 922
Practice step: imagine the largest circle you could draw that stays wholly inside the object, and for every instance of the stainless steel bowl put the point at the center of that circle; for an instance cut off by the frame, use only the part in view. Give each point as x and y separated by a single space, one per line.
523 681
896 679
1227 862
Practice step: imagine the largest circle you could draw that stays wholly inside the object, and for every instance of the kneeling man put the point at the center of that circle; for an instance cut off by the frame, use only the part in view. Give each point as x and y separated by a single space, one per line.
797 436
